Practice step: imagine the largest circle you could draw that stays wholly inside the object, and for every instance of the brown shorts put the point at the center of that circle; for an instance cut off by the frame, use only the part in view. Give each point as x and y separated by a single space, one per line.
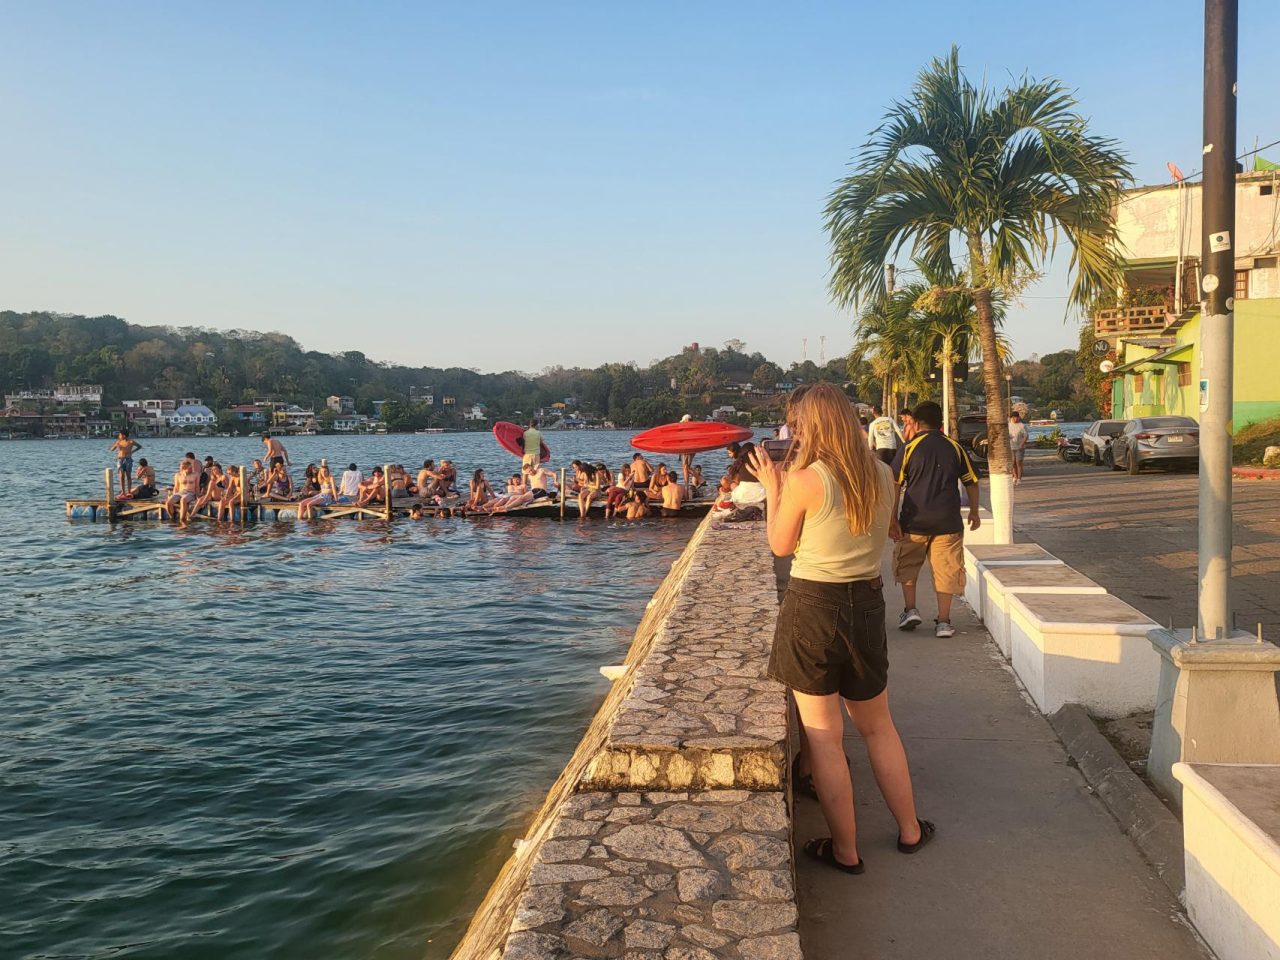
945 552
830 638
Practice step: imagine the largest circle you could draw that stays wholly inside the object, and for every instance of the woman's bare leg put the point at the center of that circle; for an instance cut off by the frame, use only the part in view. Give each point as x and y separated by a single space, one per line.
888 761
823 722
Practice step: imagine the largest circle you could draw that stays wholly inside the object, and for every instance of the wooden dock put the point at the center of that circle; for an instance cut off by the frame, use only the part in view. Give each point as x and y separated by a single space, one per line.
248 510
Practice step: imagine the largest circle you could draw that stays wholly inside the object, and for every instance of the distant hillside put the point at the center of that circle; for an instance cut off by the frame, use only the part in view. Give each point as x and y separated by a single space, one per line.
237 366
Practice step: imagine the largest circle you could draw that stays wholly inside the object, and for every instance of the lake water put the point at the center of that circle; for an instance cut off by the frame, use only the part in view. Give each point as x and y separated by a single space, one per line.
289 741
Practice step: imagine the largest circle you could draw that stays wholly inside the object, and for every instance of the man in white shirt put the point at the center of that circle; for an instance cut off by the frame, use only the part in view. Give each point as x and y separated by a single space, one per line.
884 435
349 488
1017 443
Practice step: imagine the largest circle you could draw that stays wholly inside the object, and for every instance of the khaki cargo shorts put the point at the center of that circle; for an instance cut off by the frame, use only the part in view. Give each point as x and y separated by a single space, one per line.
945 553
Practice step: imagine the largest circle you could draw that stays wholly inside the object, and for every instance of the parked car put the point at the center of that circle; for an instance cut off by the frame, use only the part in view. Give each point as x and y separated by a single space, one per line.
1097 438
973 435
1144 440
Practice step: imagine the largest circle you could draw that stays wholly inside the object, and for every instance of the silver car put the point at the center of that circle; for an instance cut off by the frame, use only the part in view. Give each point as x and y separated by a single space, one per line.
1171 440
1095 440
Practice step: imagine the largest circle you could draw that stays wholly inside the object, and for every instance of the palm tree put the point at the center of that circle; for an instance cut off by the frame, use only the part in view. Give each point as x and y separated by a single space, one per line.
887 336
948 319
961 176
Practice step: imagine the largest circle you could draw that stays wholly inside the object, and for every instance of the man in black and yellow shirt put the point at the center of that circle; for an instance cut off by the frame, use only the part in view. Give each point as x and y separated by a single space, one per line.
928 471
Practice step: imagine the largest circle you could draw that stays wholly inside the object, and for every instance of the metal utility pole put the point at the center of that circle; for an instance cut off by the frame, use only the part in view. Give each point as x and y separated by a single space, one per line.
1218 275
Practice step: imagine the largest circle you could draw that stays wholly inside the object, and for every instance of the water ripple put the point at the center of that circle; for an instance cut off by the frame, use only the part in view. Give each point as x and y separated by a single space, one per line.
280 742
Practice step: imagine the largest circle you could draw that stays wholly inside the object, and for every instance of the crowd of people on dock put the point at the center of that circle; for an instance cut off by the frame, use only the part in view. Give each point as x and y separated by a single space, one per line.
633 491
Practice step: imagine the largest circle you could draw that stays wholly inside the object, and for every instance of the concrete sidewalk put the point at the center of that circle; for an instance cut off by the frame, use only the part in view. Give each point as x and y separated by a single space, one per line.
1026 862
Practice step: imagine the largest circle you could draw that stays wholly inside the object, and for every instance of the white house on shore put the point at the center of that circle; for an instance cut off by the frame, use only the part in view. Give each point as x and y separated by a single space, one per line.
191 412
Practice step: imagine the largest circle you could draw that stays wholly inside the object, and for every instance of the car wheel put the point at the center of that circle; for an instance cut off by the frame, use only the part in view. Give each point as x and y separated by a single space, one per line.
1097 457
1134 464
1109 458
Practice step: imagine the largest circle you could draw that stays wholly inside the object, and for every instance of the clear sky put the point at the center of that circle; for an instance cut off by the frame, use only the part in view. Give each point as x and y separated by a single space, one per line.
516 185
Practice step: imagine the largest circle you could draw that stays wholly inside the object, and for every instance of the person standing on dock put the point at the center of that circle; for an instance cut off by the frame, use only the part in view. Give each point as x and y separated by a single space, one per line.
532 444
124 448
831 509
275 449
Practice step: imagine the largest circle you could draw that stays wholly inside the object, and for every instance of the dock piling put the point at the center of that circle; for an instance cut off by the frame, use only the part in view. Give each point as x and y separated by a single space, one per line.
108 480
386 488
563 493
244 497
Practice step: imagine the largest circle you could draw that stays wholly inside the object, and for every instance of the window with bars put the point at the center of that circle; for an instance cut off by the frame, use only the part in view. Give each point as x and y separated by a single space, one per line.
1137 384
1184 374
1242 285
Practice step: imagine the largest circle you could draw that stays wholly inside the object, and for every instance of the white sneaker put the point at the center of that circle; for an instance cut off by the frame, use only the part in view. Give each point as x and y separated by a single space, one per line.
943 629
910 619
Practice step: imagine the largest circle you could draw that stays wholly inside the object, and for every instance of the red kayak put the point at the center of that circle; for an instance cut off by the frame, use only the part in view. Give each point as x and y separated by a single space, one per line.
691 436
510 437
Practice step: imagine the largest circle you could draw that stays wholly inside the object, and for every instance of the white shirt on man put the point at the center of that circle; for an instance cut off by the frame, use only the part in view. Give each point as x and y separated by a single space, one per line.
350 485
1017 435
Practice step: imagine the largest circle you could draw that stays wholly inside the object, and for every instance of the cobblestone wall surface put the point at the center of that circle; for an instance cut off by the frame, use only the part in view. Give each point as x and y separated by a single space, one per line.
662 876
701 714
675 842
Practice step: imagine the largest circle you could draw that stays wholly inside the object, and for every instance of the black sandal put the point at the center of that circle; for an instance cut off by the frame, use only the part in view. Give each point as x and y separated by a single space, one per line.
927 830
802 784
823 850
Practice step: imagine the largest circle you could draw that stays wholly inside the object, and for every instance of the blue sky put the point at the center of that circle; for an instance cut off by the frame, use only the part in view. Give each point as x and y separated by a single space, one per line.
511 186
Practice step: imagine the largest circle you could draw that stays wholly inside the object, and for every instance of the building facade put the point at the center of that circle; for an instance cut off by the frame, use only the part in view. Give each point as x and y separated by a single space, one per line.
1153 330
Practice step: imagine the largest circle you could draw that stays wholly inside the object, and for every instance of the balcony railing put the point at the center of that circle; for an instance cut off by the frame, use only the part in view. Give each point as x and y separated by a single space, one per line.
1111 323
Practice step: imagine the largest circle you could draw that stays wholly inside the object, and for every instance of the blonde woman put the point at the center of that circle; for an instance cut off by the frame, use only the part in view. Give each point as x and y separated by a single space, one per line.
832 510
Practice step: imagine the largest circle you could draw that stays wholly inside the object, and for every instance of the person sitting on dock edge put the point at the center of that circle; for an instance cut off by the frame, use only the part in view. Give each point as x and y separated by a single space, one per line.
349 489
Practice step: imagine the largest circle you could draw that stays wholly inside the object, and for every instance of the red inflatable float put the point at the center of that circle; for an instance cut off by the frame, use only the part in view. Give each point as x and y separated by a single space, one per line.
510 437
691 436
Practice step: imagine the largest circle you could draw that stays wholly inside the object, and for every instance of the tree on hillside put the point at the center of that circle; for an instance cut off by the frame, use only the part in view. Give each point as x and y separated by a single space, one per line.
966 178
766 376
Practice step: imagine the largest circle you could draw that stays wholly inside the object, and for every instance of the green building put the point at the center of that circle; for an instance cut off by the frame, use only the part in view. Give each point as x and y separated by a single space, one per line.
1153 330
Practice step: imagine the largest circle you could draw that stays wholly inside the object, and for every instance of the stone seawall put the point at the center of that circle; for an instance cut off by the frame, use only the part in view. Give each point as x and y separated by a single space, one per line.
667 836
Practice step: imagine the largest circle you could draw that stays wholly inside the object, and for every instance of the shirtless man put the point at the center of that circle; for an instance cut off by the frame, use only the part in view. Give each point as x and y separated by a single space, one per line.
539 480
640 470
371 490
124 448
275 449
672 498
186 487
230 494
427 477
637 506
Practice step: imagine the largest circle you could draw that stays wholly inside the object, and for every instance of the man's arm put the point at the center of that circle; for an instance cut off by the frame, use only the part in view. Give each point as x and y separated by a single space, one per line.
975 518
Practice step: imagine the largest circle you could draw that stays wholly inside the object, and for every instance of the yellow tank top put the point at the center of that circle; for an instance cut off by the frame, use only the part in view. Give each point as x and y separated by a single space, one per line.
827 551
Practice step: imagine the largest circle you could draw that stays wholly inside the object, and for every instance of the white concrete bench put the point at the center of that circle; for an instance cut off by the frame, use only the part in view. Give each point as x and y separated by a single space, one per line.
1087 649
986 531
980 556
1231 837
999 583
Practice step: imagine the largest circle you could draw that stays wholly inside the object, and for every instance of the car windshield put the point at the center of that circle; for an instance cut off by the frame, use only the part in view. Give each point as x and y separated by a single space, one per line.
1163 423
